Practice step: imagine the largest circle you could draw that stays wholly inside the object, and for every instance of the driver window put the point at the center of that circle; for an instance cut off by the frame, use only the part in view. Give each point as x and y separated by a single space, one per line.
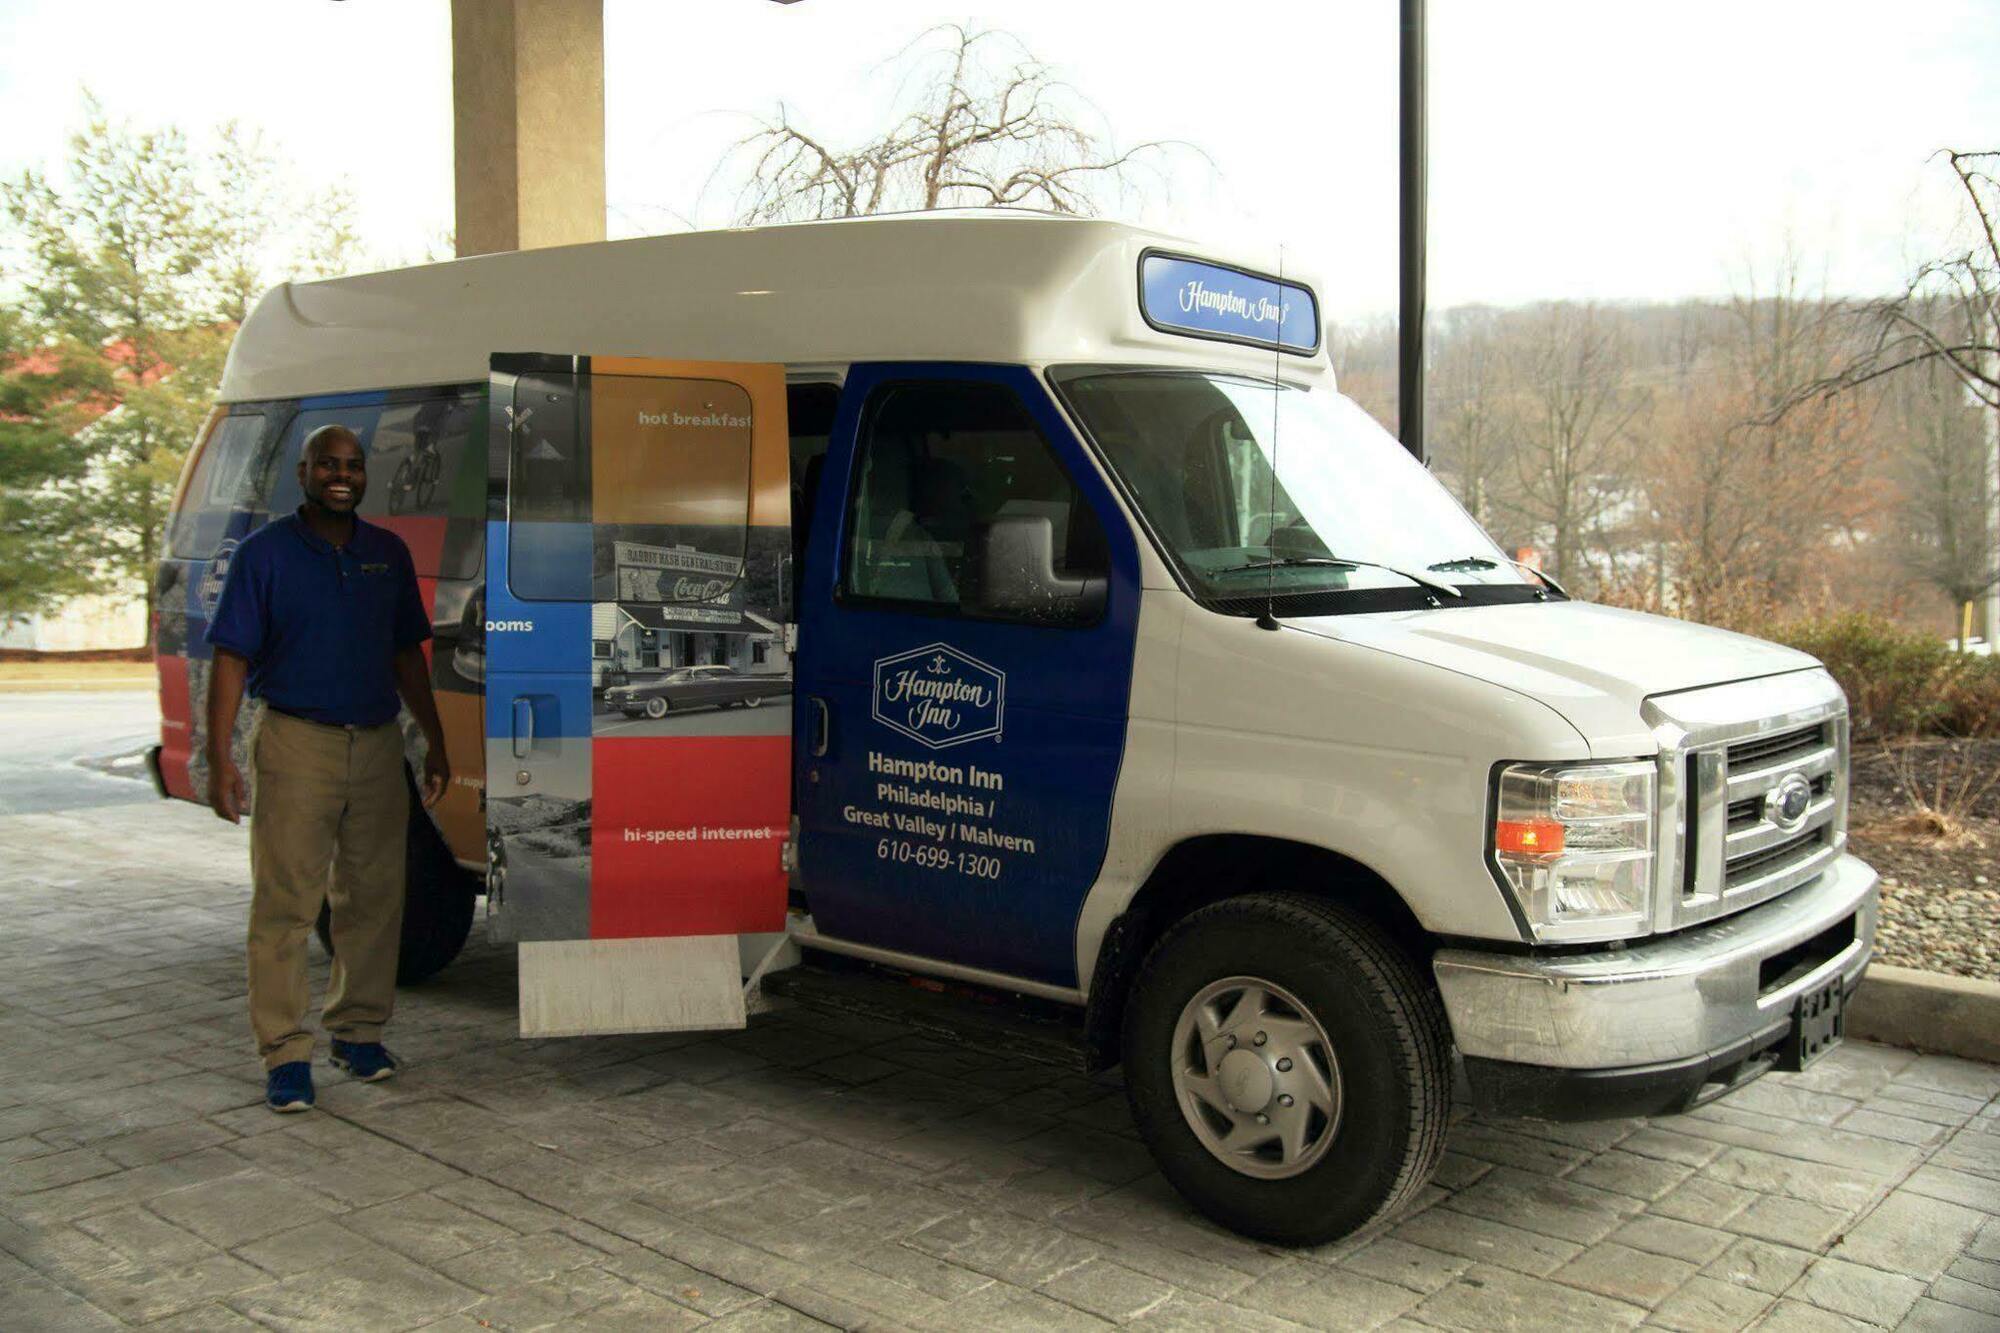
958 493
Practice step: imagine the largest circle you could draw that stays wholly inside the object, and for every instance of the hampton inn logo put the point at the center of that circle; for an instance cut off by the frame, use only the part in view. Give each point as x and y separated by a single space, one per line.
937 696
209 590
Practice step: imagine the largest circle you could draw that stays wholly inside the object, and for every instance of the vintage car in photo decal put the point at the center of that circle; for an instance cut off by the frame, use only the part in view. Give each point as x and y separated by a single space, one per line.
696 687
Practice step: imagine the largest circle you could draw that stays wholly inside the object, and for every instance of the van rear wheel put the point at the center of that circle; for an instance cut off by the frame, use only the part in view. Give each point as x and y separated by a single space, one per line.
438 902
1287 1065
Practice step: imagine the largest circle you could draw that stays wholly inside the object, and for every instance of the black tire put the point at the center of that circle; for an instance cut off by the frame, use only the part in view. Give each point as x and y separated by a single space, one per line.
438 901
1384 1022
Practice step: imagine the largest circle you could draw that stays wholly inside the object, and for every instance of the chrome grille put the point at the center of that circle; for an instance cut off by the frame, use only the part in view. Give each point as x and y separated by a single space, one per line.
1724 751
1775 749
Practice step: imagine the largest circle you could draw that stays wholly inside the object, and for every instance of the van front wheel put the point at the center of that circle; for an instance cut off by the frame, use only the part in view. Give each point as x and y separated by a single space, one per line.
1287 1065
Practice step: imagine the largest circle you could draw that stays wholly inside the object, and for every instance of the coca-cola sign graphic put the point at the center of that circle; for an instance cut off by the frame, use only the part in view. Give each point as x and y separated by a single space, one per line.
938 696
678 576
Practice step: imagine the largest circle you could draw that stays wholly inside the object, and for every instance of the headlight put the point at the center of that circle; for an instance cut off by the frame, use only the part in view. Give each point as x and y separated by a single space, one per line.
1574 843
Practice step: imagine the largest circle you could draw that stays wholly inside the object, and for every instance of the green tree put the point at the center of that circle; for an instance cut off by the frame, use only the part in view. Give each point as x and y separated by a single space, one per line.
132 267
261 226
37 390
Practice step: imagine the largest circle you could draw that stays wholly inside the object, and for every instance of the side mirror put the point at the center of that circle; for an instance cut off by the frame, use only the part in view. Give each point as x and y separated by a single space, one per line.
1017 574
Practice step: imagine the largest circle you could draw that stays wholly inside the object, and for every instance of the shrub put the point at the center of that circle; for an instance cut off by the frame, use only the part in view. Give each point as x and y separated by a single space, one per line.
1899 682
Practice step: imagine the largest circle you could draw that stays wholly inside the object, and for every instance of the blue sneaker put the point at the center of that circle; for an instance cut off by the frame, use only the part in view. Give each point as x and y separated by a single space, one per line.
368 1061
289 1087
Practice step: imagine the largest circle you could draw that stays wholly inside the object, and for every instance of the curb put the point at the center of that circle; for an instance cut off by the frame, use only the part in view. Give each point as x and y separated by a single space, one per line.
1927 1011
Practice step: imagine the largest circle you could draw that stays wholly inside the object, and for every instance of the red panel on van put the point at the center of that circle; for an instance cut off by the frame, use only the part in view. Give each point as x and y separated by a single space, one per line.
176 726
424 536
685 834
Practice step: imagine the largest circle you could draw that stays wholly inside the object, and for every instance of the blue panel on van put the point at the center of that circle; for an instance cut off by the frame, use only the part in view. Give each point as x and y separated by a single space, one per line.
561 706
962 807
531 636
1204 300
371 398
550 560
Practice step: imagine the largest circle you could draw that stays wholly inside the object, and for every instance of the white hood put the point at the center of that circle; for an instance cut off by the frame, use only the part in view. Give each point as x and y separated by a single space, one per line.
1592 664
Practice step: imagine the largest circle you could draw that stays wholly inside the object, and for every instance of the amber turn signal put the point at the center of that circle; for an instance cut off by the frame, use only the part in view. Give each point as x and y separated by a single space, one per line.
1527 837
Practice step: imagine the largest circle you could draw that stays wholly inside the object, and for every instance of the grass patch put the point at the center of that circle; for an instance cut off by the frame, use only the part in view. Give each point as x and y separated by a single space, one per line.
47 674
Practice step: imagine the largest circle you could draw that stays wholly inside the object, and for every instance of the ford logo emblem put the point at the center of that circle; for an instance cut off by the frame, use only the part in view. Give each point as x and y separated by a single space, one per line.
1787 803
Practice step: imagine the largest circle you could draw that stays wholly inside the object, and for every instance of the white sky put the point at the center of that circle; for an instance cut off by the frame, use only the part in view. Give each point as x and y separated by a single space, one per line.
1580 148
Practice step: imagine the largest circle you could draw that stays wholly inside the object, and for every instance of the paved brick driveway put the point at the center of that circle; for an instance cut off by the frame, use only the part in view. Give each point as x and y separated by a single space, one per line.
823 1171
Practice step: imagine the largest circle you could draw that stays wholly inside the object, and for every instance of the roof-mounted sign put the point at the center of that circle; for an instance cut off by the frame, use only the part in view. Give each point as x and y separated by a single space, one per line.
1203 300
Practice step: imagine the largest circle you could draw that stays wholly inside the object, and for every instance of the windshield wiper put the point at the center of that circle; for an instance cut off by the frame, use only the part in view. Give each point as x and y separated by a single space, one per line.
1481 562
1341 562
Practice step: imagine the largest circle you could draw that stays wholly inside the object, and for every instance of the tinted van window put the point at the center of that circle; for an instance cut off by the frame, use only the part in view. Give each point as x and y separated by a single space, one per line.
629 488
417 479
954 476
223 483
415 462
282 485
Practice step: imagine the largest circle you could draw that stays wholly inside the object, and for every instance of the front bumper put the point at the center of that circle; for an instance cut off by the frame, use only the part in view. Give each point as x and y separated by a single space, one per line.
1645 1023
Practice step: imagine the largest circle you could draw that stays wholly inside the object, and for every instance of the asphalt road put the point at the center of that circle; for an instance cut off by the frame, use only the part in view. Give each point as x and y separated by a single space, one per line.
76 749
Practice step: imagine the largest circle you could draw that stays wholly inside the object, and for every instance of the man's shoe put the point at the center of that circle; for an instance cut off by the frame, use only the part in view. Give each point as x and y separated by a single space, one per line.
368 1061
289 1087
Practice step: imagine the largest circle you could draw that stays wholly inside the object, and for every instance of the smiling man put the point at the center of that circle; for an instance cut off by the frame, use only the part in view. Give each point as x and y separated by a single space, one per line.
321 617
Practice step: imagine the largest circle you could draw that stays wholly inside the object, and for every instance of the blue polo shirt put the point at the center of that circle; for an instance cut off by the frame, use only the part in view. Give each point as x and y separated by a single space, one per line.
321 625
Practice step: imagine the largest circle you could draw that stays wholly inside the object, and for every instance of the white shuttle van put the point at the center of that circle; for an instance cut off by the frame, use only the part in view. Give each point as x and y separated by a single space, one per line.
1015 600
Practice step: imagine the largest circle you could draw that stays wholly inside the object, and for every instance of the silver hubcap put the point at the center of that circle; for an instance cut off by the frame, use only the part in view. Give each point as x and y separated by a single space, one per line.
1256 1077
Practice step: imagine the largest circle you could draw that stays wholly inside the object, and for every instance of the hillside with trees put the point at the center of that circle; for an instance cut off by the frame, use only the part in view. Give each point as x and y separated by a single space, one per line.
1716 459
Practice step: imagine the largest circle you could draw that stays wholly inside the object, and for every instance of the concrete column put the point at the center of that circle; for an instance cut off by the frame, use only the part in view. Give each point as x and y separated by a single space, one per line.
528 119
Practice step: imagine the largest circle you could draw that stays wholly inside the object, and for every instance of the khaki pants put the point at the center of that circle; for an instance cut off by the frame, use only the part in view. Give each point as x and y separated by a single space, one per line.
324 799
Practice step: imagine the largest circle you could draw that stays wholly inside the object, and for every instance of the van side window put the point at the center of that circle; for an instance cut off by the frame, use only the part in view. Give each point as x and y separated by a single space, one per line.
282 480
632 489
223 482
961 508
417 478
413 468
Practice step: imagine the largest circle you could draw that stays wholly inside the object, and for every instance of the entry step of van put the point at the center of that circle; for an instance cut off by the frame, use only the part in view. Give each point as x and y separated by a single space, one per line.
1012 1026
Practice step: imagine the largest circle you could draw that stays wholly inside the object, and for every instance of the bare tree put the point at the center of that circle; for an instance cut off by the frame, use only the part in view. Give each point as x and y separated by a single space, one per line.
1363 354
1569 412
1950 311
1939 464
979 121
1471 452
1747 502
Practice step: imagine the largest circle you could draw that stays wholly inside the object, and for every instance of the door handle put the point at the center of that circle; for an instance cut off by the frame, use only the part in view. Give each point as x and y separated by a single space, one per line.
820 727
524 726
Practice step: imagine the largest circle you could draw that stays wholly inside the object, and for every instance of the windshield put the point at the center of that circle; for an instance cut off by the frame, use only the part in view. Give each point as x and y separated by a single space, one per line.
1346 509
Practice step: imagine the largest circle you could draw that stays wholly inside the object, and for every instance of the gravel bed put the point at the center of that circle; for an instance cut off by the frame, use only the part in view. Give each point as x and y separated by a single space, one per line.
1940 929
1940 901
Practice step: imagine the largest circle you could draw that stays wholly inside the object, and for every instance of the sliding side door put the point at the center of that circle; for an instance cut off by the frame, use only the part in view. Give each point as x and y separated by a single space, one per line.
640 533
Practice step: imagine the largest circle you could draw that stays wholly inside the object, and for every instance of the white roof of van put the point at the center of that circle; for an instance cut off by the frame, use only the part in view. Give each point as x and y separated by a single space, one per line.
990 286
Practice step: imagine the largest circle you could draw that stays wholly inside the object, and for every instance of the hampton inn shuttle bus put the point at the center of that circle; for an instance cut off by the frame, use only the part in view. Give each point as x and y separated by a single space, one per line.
1015 601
